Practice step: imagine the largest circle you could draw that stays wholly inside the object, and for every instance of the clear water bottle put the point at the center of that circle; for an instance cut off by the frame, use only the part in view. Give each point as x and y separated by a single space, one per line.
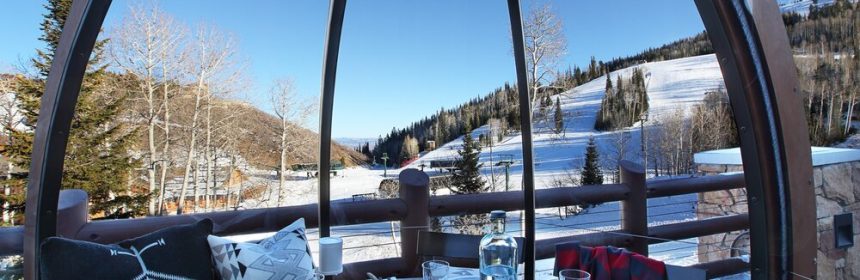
498 251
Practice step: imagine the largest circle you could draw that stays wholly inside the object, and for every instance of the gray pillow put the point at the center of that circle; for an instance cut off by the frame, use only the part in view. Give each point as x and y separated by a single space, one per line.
286 255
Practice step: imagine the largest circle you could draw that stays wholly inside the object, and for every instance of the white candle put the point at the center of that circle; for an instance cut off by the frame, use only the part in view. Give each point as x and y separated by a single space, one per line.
331 255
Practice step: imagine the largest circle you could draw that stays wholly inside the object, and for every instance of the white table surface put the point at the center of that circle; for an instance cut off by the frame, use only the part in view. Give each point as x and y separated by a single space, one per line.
543 269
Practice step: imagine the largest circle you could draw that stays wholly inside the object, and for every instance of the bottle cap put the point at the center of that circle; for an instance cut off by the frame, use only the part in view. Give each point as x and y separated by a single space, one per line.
497 214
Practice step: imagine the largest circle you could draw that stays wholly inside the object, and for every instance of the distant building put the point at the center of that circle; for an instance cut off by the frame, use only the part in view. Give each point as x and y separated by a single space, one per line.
430 145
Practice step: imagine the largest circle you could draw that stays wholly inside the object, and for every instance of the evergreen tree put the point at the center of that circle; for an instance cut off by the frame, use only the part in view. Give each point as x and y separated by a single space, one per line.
591 173
623 106
97 156
608 84
559 117
467 179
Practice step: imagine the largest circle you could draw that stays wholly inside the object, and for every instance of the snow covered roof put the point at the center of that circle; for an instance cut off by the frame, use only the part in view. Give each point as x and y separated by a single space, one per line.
820 156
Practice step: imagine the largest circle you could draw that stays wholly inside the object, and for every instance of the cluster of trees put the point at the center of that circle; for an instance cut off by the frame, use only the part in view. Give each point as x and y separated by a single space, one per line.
830 87
677 136
698 44
409 148
156 108
448 124
623 104
574 76
829 27
829 69
712 123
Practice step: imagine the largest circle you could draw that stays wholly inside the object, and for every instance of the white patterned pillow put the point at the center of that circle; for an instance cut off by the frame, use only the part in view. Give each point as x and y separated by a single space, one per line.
286 255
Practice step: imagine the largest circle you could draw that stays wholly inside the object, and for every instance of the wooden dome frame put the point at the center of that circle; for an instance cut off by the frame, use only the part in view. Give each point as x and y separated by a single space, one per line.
750 42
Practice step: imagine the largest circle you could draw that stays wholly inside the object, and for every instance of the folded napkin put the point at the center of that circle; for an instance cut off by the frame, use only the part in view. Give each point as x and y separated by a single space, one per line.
608 263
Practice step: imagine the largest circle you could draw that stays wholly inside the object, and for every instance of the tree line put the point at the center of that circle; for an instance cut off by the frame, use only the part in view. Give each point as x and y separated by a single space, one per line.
449 124
827 54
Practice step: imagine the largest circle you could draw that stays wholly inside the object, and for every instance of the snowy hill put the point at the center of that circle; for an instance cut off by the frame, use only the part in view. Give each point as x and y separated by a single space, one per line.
673 84
802 6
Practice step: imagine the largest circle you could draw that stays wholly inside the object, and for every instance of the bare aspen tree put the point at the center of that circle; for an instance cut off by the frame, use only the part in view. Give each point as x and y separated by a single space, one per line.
172 59
222 133
673 152
196 192
850 85
9 116
142 45
230 81
292 114
619 147
545 46
211 61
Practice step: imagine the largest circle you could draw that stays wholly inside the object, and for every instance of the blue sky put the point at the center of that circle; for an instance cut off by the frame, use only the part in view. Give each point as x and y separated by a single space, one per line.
400 60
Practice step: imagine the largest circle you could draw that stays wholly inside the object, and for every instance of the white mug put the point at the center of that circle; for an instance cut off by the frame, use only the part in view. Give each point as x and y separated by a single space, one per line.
331 255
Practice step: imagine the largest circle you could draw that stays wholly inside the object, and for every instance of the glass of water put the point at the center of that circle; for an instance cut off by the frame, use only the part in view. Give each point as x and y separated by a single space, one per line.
435 270
573 274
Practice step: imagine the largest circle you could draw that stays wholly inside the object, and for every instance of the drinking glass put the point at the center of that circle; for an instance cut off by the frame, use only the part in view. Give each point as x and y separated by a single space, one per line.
435 270
573 274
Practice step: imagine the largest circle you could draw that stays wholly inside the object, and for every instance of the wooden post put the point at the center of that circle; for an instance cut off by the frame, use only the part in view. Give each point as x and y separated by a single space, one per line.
415 192
634 209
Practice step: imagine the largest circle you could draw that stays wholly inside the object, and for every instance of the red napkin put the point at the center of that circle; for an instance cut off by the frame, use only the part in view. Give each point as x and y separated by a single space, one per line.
608 263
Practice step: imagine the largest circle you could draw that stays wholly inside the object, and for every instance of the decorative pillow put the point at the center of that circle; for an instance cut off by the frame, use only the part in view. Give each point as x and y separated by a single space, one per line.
286 255
178 252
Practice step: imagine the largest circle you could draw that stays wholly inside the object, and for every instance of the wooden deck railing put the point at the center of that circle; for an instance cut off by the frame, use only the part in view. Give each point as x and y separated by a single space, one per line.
414 208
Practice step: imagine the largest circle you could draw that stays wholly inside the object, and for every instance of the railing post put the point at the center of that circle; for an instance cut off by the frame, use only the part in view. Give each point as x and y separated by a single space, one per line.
634 209
415 192
72 212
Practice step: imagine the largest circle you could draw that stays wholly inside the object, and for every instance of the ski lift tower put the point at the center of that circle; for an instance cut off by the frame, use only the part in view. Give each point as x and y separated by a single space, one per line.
506 160
384 164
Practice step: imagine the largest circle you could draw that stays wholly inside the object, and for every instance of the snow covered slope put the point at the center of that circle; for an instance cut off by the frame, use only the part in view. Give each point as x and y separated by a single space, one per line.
799 6
673 84
802 6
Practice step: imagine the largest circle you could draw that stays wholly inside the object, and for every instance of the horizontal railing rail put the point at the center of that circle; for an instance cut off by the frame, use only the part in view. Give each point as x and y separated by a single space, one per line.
670 187
481 203
404 209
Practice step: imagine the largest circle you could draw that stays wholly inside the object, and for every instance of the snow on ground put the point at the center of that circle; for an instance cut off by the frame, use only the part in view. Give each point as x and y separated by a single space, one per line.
800 6
853 140
671 84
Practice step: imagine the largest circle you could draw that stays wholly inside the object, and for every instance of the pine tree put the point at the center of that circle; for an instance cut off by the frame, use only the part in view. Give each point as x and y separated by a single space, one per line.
591 173
559 117
467 179
608 84
97 158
